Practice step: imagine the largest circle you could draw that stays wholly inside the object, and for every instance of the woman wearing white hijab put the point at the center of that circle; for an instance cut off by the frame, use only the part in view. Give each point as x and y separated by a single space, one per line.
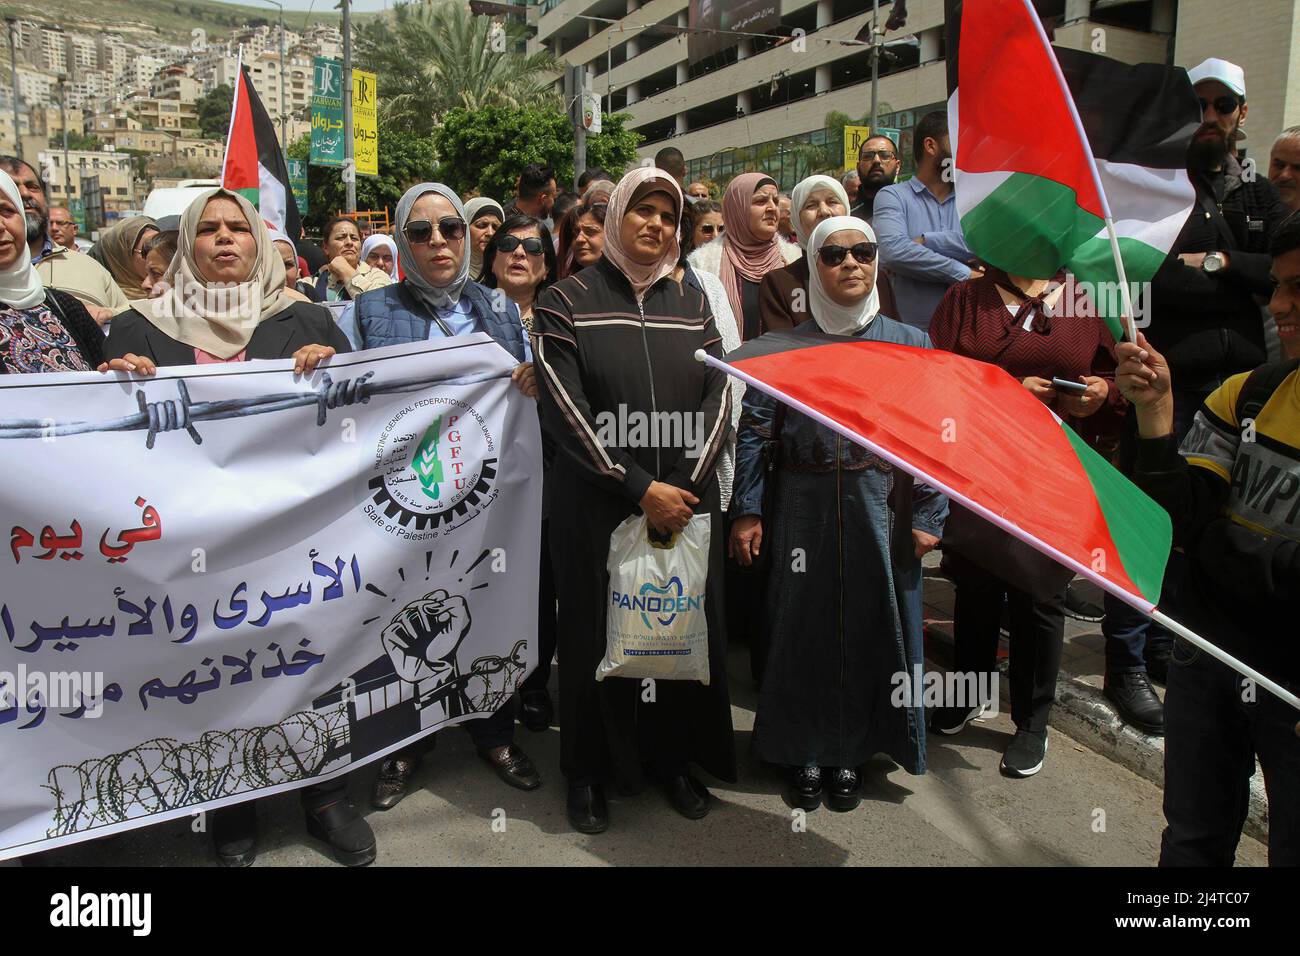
837 634
783 295
226 302
619 338
380 252
41 330
436 299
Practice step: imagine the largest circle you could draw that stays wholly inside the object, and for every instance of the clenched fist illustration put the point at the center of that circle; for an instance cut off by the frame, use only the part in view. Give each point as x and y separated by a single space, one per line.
422 639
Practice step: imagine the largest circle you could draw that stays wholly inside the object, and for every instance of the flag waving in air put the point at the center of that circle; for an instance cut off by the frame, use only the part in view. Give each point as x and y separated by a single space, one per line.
975 433
254 165
1049 144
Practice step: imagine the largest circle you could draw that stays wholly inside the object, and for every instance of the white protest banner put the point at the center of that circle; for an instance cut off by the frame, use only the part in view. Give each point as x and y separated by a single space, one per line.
229 580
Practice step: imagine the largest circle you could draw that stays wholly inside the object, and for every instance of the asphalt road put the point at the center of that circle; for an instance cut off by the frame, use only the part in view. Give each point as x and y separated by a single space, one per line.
1081 810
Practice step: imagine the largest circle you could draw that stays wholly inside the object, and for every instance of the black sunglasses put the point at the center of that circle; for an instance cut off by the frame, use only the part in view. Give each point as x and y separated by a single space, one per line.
532 245
870 154
1223 105
421 230
863 253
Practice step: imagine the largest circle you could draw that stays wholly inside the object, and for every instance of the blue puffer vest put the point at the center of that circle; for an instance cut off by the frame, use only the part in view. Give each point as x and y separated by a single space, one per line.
392 316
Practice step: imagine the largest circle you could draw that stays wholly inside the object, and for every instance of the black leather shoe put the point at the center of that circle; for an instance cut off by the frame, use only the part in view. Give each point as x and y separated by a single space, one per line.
234 834
1135 701
844 790
588 812
392 782
513 766
536 710
345 830
688 796
1158 663
806 788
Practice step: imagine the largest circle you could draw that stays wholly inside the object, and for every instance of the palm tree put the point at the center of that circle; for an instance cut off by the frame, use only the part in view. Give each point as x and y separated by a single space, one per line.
433 57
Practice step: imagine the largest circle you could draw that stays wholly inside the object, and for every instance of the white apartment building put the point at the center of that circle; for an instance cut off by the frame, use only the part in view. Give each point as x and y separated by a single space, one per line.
114 57
36 88
83 54
114 172
144 68
750 103
54 49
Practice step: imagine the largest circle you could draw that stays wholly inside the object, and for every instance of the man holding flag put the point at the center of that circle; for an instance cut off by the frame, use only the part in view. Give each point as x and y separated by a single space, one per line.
1234 497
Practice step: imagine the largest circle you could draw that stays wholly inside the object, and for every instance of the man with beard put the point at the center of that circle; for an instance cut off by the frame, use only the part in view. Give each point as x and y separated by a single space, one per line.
921 244
59 267
878 164
1205 308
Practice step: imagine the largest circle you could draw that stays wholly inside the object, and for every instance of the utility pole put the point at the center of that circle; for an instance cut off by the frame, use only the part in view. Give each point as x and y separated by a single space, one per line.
13 62
875 65
575 83
349 160
63 121
284 141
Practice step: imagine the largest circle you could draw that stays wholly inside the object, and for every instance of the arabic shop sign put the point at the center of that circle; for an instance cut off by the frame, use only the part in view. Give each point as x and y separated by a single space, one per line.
327 147
365 131
298 183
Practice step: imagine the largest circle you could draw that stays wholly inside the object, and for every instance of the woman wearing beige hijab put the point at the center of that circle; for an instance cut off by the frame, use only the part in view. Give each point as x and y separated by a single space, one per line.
619 338
121 250
225 301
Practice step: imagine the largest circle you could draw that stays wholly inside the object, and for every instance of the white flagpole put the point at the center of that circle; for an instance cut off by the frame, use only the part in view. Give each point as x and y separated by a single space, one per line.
234 102
1129 327
1012 529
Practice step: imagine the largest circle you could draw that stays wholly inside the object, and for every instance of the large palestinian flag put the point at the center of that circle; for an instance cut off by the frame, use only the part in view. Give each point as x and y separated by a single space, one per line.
254 165
1045 146
975 433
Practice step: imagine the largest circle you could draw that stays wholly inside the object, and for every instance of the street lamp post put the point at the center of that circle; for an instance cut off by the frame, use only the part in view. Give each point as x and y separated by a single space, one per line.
13 62
284 136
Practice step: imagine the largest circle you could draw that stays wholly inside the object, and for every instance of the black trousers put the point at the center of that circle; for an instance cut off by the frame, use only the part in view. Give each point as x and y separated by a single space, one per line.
1215 725
1037 636
547 617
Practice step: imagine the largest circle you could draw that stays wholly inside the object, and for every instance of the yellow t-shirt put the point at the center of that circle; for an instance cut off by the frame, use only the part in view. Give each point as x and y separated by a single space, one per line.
1260 461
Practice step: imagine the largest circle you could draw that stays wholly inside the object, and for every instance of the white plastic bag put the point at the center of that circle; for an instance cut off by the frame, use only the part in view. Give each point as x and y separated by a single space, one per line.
655 624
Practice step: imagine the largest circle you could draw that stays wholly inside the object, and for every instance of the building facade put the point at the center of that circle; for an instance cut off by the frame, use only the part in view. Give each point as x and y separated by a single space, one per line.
766 98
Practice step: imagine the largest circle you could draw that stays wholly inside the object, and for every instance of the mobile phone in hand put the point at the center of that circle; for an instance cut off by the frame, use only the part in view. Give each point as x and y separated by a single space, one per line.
1069 387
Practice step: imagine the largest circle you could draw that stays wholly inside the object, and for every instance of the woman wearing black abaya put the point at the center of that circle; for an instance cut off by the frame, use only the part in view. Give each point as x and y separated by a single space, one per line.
619 337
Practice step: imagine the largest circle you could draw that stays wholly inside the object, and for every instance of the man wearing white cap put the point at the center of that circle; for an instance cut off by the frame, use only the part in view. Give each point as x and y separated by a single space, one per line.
1205 307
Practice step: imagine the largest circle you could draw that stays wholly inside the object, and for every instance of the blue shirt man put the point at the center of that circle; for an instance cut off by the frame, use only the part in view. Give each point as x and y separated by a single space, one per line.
916 224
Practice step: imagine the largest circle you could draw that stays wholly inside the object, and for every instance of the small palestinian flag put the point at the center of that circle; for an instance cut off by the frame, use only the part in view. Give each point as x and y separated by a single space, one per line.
976 434
254 165
1047 146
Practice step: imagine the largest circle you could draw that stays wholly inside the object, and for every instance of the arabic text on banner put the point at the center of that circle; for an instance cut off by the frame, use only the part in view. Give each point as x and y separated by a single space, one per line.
365 129
327 113
229 580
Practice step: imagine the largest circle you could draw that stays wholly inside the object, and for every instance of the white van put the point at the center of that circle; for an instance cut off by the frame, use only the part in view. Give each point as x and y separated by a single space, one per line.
174 200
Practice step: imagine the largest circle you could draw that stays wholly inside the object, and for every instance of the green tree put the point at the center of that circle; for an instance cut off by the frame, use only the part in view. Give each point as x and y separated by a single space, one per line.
214 112
432 58
404 160
485 149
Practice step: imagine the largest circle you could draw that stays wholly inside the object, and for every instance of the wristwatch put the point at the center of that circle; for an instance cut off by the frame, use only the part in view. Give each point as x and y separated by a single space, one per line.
1212 263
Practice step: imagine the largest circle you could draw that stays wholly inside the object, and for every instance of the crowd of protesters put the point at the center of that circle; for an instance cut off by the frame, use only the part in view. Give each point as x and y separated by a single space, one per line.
863 255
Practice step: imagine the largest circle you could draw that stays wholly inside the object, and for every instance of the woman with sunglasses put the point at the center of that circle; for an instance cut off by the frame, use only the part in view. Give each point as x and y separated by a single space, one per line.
749 247
582 234
841 628
520 261
783 297
705 218
1029 329
437 299
344 276
619 339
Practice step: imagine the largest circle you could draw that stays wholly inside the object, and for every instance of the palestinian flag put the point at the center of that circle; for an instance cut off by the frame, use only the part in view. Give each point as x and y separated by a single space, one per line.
254 165
976 434
1047 146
